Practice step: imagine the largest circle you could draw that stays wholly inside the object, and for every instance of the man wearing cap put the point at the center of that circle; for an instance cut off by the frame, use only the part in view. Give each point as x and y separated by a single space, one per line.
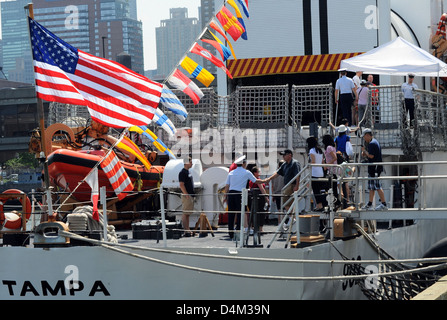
289 169
342 139
374 155
407 89
344 93
236 181
187 186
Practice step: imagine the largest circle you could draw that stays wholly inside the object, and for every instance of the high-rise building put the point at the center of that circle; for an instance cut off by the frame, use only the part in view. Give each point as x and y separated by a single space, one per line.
105 28
17 61
174 38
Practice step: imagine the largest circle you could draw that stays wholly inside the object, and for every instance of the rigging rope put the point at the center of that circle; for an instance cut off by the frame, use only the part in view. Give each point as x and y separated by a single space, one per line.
296 278
404 283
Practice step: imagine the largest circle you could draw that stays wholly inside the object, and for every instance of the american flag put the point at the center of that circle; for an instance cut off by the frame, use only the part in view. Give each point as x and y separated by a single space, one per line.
115 96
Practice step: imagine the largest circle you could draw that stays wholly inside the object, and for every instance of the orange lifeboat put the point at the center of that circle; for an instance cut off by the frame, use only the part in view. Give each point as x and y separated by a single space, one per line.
69 164
68 167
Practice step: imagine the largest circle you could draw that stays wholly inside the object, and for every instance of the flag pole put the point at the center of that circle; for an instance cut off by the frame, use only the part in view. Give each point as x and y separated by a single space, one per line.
43 153
103 200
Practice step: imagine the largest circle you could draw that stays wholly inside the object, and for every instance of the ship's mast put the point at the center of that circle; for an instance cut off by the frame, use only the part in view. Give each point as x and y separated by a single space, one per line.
43 153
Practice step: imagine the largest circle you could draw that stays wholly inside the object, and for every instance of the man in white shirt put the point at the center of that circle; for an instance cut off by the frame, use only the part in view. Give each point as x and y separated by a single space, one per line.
407 89
357 79
236 181
344 93
355 110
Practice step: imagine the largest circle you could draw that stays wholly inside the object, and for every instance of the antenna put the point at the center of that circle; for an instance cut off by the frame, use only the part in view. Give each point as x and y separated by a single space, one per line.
1 70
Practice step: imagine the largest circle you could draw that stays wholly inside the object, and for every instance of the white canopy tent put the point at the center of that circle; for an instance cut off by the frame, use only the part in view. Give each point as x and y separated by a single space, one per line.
398 58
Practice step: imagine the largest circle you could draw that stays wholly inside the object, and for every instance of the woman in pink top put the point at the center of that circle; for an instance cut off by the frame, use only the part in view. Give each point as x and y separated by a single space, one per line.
330 154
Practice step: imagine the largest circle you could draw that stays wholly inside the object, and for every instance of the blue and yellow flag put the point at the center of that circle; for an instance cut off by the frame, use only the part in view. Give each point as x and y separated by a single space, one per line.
197 71
239 18
154 139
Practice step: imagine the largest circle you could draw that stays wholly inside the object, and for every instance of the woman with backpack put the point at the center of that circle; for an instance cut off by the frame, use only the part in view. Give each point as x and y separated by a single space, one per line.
330 155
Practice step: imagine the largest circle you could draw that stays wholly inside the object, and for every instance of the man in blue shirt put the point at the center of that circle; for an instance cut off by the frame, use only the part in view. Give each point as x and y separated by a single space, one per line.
289 170
345 92
236 181
342 139
374 155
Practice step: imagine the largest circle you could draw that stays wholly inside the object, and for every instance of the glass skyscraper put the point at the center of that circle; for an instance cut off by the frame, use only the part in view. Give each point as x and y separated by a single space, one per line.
105 28
17 61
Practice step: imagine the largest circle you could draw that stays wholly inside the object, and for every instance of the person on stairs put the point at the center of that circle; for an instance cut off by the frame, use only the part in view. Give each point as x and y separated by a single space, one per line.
318 186
374 154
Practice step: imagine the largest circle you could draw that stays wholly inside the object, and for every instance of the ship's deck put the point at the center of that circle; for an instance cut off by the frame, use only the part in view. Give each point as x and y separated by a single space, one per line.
220 239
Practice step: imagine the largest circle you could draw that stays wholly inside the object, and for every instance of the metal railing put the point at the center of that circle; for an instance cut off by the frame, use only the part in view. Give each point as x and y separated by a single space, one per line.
431 121
384 115
428 177
290 109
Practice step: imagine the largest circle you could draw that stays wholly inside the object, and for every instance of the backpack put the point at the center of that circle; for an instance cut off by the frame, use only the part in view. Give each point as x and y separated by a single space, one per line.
341 157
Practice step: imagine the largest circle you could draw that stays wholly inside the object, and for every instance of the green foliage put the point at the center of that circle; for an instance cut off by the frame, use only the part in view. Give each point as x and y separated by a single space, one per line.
23 160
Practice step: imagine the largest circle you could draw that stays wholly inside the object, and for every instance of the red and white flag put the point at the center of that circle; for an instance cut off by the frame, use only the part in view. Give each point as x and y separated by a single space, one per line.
199 50
179 81
118 177
92 180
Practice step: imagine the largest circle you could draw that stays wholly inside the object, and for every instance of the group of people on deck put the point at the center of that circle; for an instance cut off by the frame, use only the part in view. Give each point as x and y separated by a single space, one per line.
334 151
351 97
237 180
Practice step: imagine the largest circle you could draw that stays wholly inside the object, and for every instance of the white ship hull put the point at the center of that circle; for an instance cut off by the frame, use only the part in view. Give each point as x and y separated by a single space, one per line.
312 272
36 273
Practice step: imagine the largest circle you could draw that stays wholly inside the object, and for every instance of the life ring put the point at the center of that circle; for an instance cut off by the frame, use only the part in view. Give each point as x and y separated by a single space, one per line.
12 220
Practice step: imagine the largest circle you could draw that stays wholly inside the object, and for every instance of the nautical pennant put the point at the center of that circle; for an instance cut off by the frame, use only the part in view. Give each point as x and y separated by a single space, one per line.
163 121
197 71
213 24
197 49
230 23
154 139
128 145
170 101
116 174
179 81
92 181
244 5
210 38
239 18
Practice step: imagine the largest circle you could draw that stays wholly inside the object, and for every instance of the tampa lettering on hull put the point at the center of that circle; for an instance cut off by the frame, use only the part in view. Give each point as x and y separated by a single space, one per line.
28 289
